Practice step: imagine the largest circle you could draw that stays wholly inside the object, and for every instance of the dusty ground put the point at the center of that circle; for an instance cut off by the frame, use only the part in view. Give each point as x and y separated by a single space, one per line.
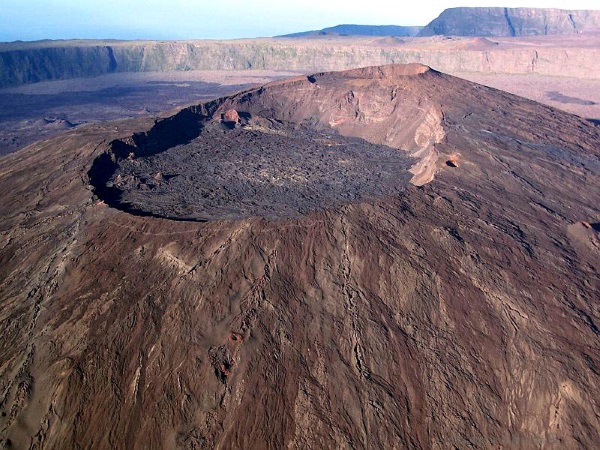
38 111
574 95
461 313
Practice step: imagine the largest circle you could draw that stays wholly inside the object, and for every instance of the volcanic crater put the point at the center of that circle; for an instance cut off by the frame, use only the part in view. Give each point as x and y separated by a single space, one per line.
462 313
294 147
273 172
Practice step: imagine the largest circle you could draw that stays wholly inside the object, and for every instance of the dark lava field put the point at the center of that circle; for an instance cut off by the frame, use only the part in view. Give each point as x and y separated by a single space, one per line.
273 171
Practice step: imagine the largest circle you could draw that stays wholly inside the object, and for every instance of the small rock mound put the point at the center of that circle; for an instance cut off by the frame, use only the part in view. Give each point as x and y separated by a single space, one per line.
452 161
231 116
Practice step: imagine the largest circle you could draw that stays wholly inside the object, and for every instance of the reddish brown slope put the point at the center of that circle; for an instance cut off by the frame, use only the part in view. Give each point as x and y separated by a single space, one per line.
384 105
462 313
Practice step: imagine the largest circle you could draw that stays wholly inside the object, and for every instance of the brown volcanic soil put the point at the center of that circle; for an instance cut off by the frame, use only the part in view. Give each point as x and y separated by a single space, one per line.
462 313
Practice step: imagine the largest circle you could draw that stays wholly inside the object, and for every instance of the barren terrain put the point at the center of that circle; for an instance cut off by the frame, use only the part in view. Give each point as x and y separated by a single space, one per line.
41 110
561 71
460 311
37 111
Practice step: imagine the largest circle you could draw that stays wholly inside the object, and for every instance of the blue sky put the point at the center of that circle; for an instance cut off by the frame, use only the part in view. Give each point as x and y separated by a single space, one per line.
220 19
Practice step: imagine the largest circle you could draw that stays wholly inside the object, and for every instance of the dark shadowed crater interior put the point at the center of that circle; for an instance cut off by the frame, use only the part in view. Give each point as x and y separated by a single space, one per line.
272 171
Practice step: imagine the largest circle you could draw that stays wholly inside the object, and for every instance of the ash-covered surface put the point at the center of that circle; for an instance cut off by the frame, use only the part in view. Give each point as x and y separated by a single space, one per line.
25 118
272 171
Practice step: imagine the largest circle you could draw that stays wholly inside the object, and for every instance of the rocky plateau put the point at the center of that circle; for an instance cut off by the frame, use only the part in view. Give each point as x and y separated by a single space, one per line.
566 56
479 21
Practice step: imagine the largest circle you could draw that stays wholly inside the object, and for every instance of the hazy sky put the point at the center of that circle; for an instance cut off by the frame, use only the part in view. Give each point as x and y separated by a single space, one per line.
221 19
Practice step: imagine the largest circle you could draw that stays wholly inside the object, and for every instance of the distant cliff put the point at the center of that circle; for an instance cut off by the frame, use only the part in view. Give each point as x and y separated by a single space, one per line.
360 30
54 63
22 63
512 22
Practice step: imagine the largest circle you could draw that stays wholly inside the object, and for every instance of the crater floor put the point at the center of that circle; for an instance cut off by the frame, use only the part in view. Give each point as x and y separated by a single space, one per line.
273 171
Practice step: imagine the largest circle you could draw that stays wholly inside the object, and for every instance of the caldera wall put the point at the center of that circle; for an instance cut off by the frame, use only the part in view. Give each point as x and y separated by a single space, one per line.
22 63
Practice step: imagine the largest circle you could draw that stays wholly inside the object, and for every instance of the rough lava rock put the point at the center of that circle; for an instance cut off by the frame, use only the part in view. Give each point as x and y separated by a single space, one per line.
461 313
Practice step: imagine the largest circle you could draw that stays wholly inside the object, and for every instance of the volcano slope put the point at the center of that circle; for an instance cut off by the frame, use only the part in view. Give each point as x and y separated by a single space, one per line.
457 310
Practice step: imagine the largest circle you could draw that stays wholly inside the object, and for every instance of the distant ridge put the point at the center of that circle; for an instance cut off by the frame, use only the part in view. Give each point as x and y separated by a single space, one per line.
512 22
32 62
360 30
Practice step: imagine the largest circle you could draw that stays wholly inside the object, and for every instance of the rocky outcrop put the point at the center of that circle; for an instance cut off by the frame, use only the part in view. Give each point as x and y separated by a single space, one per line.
512 22
231 116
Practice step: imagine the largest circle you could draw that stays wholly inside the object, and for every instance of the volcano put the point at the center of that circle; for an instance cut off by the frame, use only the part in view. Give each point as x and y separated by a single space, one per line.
386 257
